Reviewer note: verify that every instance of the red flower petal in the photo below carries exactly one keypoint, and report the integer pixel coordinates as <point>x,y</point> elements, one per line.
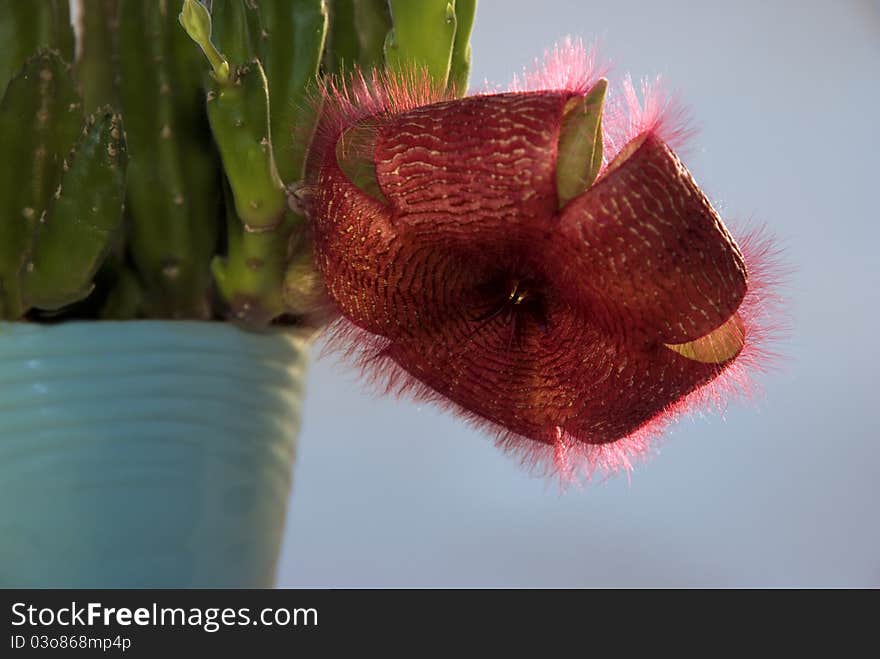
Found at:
<point>472,169</point>
<point>350,231</point>
<point>570,377</point>
<point>647,250</point>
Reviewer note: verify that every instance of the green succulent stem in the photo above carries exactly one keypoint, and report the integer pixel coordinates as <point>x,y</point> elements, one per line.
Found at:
<point>239,118</point>
<point>259,224</point>
<point>97,63</point>
<point>292,42</point>
<point>126,297</point>
<point>40,118</point>
<point>84,216</point>
<point>173,183</point>
<point>460,63</point>
<point>421,37</point>
<point>343,48</point>
<point>210,139</point>
<point>373,22</point>
<point>250,276</point>
<point>26,27</point>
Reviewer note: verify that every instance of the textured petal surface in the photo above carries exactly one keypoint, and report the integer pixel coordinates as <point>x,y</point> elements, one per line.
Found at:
<point>350,231</point>
<point>386,282</point>
<point>472,168</point>
<point>647,252</point>
<point>569,377</point>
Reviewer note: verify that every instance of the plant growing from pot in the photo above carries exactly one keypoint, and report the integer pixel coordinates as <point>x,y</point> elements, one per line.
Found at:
<point>191,193</point>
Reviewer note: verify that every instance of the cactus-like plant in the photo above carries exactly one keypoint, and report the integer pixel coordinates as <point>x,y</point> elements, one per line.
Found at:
<point>61,196</point>
<point>152,180</point>
<point>550,270</point>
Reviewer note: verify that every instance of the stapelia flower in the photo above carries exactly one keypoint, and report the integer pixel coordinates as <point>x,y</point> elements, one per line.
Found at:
<point>468,265</point>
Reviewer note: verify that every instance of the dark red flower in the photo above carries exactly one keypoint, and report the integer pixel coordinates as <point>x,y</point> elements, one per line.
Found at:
<point>573,328</point>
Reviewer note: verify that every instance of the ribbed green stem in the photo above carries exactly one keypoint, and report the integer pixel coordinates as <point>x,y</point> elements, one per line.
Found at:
<point>460,64</point>
<point>421,37</point>
<point>125,299</point>
<point>259,225</point>
<point>291,54</point>
<point>237,29</point>
<point>343,48</point>
<point>97,64</point>
<point>85,214</point>
<point>40,118</point>
<point>27,26</point>
<point>250,276</point>
<point>373,22</point>
<point>252,113</point>
<point>173,181</point>
<point>239,116</point>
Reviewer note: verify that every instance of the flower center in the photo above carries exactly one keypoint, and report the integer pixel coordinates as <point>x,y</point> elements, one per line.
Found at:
<point>518,292</point>
<point>518,300</point>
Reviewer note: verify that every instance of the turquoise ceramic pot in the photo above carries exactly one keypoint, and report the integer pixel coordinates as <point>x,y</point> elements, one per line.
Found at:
<point>145,453</point>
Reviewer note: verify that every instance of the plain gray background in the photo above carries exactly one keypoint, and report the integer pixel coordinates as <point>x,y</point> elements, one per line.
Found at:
<point>781,493</point>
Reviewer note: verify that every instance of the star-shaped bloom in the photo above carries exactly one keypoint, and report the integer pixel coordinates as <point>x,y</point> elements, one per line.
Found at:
<point>501,254</point>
